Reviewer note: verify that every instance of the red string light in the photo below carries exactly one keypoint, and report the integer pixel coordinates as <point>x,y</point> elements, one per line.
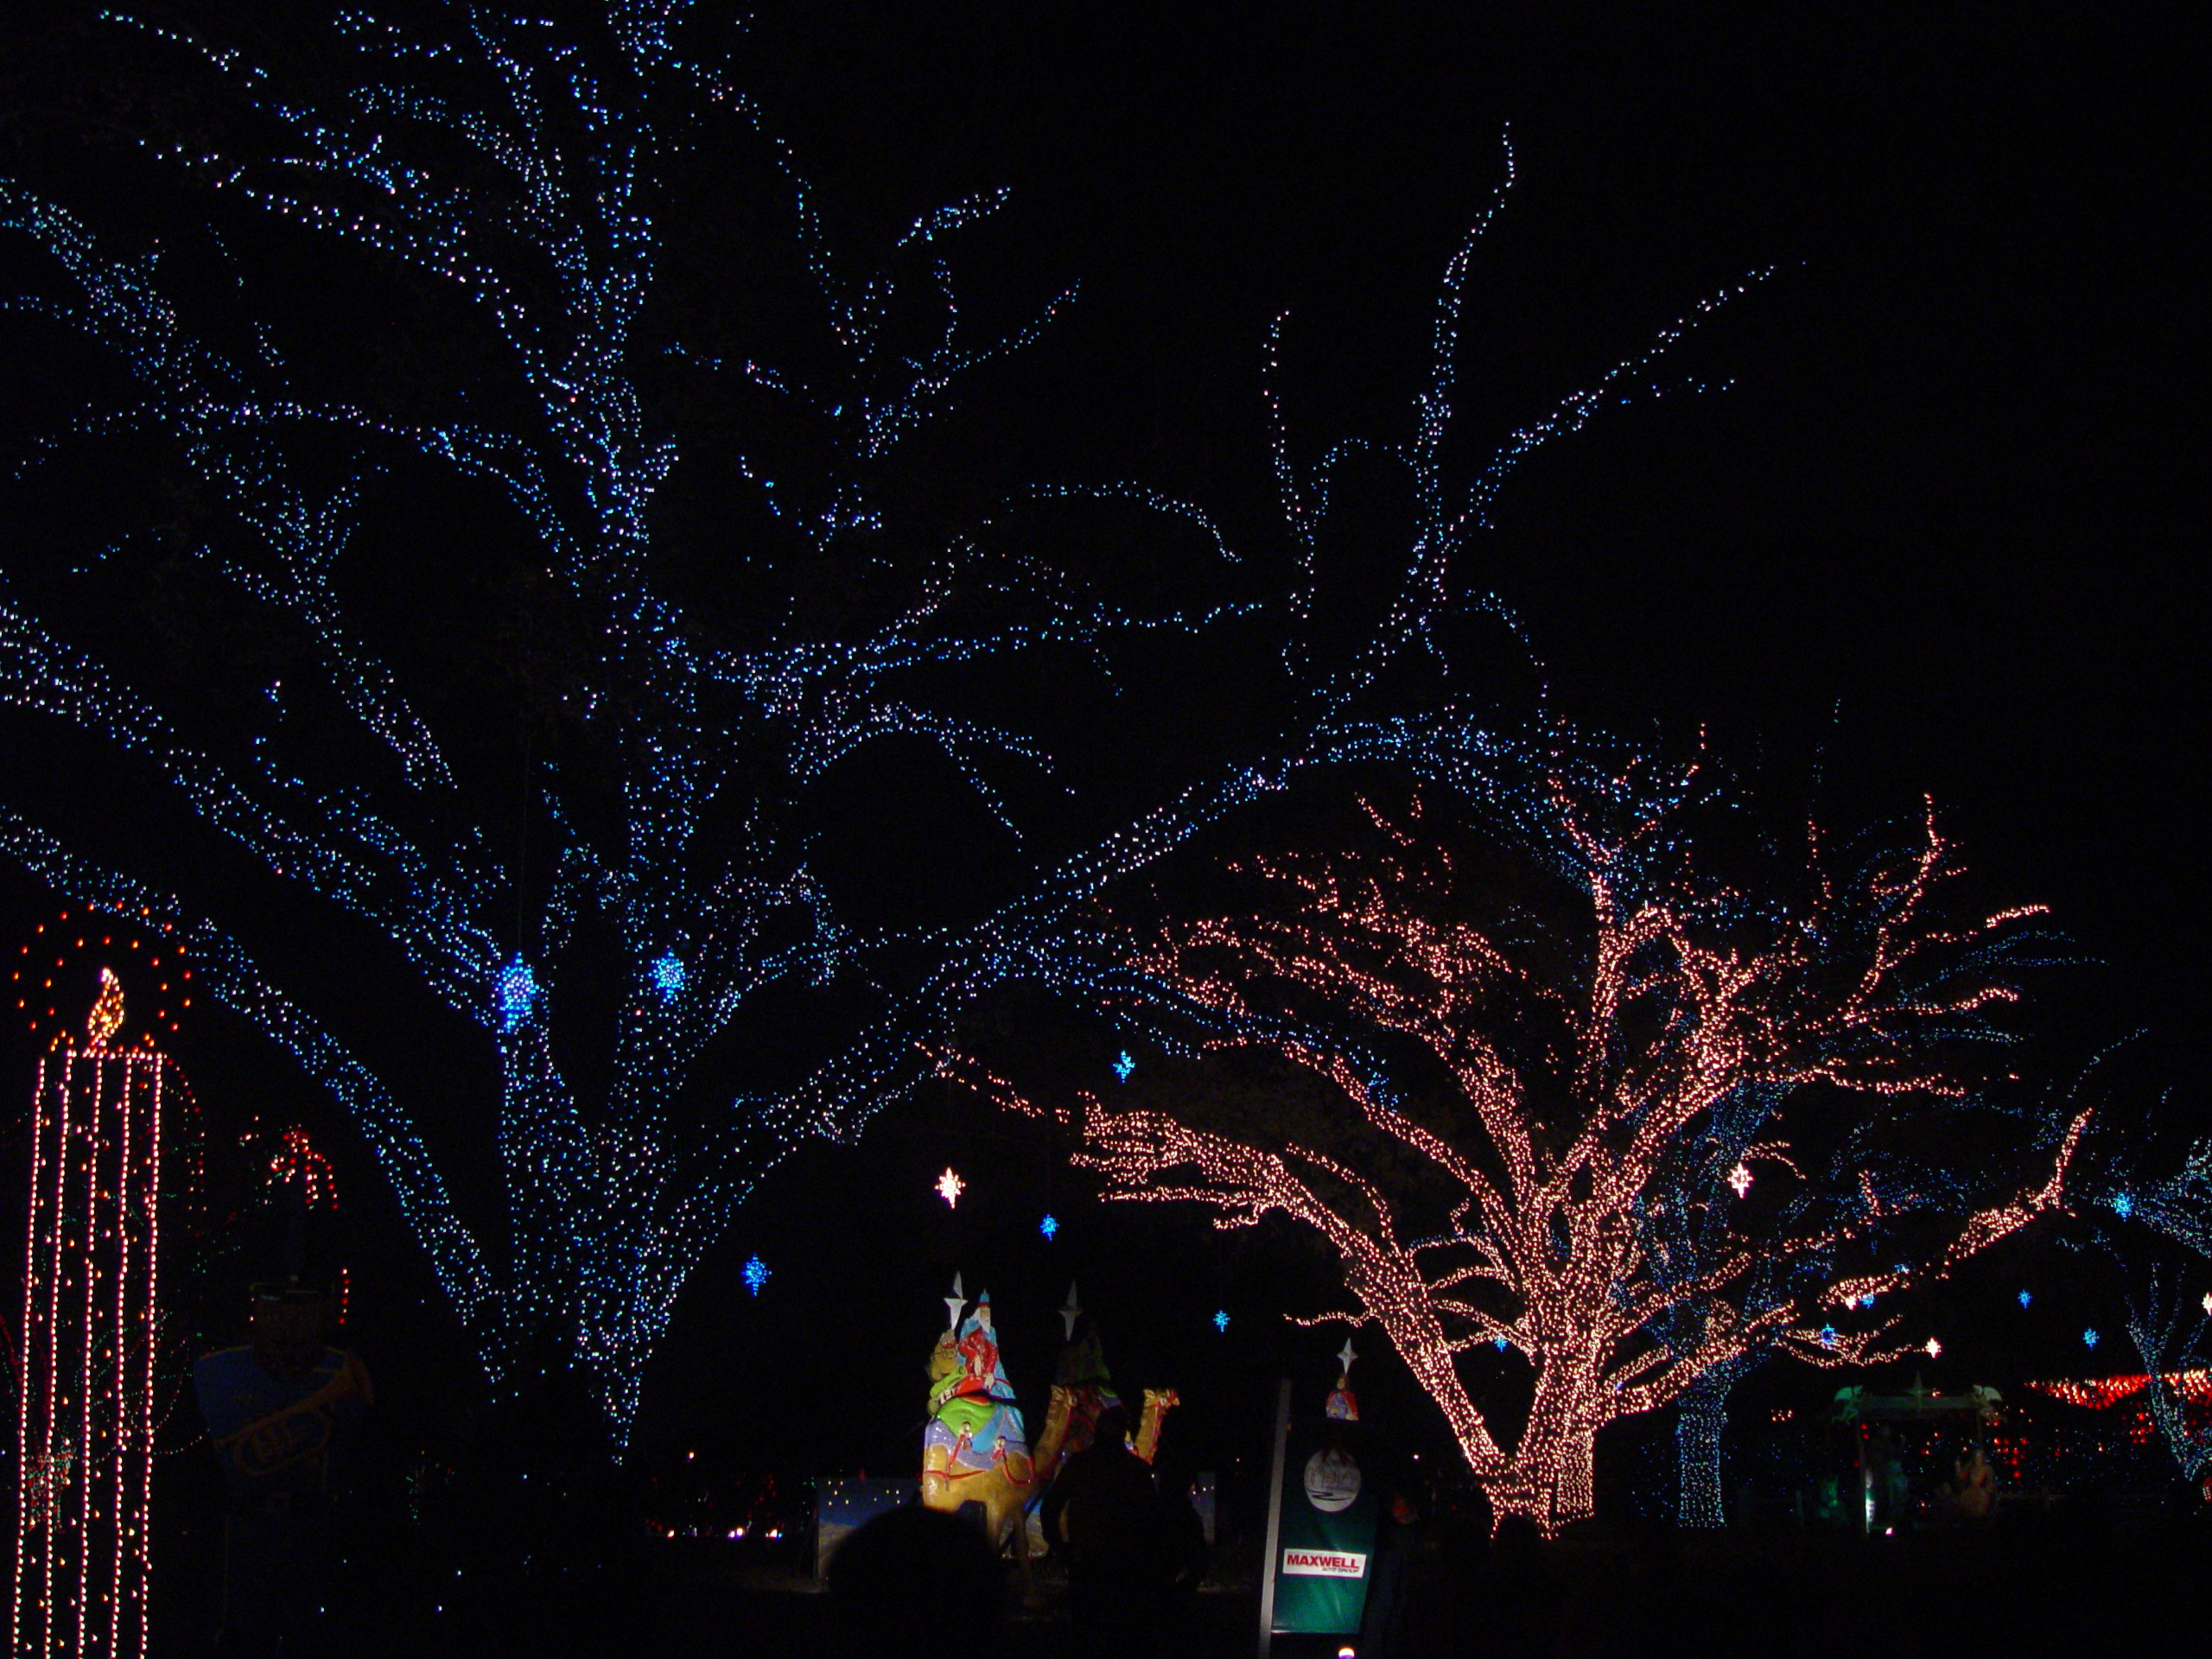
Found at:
<point>1651,1023</point>
<point>85,1428</point>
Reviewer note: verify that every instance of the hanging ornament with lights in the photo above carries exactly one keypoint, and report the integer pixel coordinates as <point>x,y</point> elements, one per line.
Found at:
<point>948,1187</point>
<point>1050,1226</point>
<point>85,1428</point>
<point>756,1274</point>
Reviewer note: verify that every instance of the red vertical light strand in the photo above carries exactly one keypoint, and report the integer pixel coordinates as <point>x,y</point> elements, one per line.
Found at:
<point>90,1329</point>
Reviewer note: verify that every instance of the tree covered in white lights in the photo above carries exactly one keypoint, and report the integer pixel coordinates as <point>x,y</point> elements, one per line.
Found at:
<point>1584,1120</point>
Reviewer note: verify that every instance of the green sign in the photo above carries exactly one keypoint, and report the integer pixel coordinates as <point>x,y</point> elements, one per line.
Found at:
<point>1326,1507</point>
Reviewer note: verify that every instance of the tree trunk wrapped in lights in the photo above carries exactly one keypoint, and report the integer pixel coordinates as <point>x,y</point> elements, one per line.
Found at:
<point>1526,1050</point>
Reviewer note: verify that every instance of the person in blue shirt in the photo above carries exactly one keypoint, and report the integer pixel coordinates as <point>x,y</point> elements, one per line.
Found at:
<point>279,1413</point>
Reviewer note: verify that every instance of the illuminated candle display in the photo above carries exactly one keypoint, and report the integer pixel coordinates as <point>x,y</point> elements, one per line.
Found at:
<point>84,1432</point>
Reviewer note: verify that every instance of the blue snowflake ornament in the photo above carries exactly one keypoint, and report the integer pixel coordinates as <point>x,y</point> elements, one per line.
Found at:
<point>515,991</point>
<point>668,977</point>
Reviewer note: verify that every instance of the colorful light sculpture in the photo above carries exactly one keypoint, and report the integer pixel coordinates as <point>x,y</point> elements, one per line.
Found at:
<point>84,1428</point>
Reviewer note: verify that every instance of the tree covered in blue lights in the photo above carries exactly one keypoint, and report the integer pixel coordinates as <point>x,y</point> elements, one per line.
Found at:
<point>504,181</point>
<point>605,911</point>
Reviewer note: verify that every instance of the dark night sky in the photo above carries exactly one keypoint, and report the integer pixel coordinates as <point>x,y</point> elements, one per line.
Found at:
<point>1935,529</point>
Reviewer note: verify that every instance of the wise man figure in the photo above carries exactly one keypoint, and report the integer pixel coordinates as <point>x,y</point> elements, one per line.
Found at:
<point>978,1347</point>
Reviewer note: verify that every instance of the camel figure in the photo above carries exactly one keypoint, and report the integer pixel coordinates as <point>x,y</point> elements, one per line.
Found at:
<point>1016,1475</point>
<point>1158,1402</point>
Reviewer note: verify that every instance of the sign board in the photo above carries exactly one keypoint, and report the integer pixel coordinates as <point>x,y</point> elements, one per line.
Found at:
<point>1328,1498</point>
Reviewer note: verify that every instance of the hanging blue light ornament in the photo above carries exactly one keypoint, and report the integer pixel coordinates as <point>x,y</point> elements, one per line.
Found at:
<point>2025,1298</point>
<point>1049,1226</point>
<point>1221,1320</point>
<point>756,1274</point>
<point>1124,1063</point>
<point>1827,1336</point>
<point>515,990</point>
<point>1500,1344</point>
<point>668,977</point>
<point>2089,1338</point>
<point>2123,1205</point>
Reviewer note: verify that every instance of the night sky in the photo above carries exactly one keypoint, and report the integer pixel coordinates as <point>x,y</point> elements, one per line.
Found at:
<point>1924,531</point>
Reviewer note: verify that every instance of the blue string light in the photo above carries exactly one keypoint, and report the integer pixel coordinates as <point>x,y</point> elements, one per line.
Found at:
<point>520,171</point>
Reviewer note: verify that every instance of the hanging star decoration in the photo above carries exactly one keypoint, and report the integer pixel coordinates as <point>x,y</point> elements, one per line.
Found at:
<point>2025,1298</point>
<point>2208,1302</point>
<point>107,1010</point>
<point>1740,1179</point>
<point>1049,1226</point>
<point>1500,1344</point>
<point>1933,1348</point>
<point>1124,1063</point>
<point>1070,1311</point>
<point>1343,1405</point>
<point>950,1186</point>
<point>756,1274</point>
<point>2123,1205</point>
<point>2089,1338</point>
<point>1220,1319</point>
